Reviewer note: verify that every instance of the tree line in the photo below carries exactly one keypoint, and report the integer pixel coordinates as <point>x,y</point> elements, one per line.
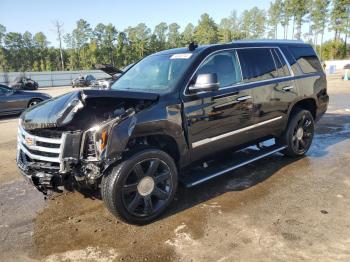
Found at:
<point>86,46</point>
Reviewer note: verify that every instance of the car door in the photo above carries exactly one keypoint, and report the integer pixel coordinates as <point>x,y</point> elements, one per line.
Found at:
<point>3,99</point>
<point>266,72</point>
<point>11,101</point>
<point>215,119</point>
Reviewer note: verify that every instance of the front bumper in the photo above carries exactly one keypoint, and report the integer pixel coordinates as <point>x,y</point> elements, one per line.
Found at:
<point>44,179</point>
<point>47,161</point>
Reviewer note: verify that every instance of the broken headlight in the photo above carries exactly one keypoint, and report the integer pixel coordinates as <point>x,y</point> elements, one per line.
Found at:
<point>95,140</point>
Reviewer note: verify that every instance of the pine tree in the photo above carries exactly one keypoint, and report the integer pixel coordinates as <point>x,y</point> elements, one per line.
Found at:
<point>206,32</point>
<point>274,16</point>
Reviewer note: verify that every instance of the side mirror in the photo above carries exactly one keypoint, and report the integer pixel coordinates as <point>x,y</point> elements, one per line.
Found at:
<point>205,82</point>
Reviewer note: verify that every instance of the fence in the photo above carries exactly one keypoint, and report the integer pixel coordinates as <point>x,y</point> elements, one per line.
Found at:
<point>336,64</point>
<point>54,78</point>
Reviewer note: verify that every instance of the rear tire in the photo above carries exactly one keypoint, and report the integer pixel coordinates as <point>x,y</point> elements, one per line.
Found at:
<point>299,134</point>
<point>34,102</point>
<point>141,187</point>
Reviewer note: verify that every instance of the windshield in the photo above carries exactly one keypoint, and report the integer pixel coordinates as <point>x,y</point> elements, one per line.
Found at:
<point>157,73</point>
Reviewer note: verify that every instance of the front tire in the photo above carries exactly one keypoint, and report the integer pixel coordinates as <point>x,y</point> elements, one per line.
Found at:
<point>141,187</point>
<point>299,134</point>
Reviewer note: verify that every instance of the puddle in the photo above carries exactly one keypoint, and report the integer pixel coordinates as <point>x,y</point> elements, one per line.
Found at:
<point>82,229</point>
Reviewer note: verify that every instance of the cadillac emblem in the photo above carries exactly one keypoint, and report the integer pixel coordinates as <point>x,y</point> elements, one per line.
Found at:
<point>30,141</point>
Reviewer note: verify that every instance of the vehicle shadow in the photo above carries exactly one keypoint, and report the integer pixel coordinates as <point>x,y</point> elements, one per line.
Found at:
<point>238,180</point>
<point>9,118</point>
<point>332,129</point>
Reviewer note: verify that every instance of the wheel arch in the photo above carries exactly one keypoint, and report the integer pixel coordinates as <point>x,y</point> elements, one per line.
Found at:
<point>34,99</point>
<point>307,104</point>
<point>163,142</point>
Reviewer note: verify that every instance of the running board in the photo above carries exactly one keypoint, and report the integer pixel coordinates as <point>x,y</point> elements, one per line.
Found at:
<point>215,168</point>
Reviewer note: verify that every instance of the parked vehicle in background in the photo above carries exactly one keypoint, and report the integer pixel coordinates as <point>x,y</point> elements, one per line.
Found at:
<point>115,73</point>
<point>14,101</point>
<point>168,118</point>
<point>24,83</point>
<point>83,81</point>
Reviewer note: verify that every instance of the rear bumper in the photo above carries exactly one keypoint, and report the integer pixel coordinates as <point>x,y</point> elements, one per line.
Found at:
<point>322,107</point>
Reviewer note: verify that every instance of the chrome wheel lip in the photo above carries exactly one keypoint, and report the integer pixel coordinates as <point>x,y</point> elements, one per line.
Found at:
<point>150,202</point>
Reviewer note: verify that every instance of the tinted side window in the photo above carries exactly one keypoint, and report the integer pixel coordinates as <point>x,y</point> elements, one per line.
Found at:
<point>225,65</point>
<point>306,59</point>
<point>291,60</point>
<point>280,63</point>
<point>257,64</point>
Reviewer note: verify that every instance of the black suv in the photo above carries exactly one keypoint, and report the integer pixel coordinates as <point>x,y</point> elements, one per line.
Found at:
<point>167,119</point>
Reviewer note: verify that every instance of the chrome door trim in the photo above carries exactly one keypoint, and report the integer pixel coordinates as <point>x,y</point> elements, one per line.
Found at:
<point>212,139</point>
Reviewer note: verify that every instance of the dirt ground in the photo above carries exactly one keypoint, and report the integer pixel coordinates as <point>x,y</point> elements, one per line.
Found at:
<point>277,209</point>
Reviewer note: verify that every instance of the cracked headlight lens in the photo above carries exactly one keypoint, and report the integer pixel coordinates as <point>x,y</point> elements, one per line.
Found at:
<point>96,139</point>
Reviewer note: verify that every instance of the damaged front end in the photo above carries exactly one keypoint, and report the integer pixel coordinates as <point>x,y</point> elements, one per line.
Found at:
<point>74,138</point>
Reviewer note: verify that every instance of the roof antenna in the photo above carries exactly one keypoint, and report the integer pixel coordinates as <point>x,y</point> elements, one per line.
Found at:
<point>192,46</point>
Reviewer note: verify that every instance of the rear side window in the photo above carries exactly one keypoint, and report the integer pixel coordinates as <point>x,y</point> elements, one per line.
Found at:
<point>225,66</point>
<point>257,64</point>
<point>306,59</point>
<point>280,63</point>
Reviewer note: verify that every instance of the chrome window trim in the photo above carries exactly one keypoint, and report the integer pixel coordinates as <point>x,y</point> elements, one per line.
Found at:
<point>239,83</point>
<point>215,138</point>
<point>291,73</point>
<point>273,58</point>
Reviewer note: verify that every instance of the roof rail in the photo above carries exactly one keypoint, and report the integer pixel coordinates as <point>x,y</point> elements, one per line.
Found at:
<point>269,40</point>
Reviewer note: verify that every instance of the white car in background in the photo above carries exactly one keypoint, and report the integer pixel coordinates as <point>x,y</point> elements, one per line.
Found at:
<point>115,73</point>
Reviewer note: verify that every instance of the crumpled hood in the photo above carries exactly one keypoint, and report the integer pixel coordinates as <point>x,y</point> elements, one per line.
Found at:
<point>60,111</point>
<point>55,112</point>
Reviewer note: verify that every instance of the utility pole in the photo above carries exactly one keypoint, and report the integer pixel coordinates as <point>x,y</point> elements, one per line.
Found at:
<point>59,32</point>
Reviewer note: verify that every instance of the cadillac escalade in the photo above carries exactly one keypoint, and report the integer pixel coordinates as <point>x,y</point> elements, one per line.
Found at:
<point>166,119</point>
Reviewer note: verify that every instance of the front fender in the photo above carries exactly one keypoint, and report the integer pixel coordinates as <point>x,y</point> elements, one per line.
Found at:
<point>119,137</point>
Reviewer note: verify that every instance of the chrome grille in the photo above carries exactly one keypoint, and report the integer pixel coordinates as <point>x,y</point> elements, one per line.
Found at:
<point>39,148</point>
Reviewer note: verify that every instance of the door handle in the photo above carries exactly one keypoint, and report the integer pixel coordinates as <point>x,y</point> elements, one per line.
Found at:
<point>287,88</point>
<point>243,98</point>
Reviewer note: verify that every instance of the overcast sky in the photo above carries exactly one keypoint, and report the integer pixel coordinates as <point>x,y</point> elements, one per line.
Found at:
<point>37,15</point>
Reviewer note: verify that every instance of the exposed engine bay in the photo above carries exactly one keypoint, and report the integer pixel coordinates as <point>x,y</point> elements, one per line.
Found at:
<point>69,136</point>
<point>81,109</point>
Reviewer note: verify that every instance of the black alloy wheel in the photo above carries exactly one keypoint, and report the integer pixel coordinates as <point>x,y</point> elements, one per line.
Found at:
<point>302,135</point>
<point>147,187</point>
<point>140,187</point>
<point>299,134</point>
